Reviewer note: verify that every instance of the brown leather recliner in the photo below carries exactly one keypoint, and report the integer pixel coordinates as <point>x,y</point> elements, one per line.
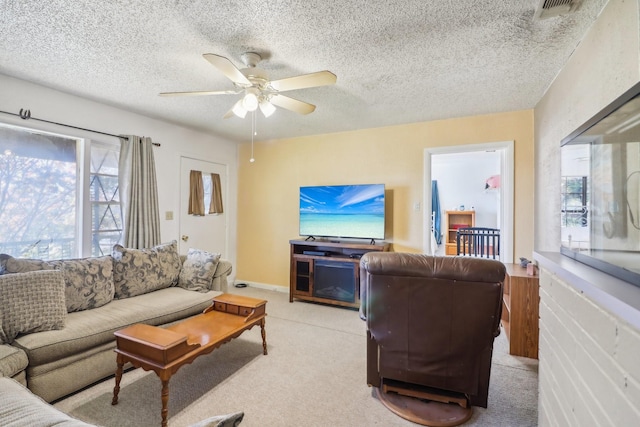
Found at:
<point>431,322</point>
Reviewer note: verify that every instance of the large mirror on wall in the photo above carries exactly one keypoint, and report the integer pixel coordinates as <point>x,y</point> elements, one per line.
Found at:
<point>600,190</point>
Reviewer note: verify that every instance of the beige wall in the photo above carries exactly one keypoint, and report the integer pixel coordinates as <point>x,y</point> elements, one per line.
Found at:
<point>268,189</point>
<point>589,337</point>
<point>176,141</point>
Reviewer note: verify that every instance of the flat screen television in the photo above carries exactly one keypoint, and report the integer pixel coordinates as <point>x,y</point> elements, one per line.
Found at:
<point>343,211</point>
<point>600,190</point>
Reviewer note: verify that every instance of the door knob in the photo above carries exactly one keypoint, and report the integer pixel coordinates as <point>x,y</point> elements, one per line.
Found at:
<point>185,237</point>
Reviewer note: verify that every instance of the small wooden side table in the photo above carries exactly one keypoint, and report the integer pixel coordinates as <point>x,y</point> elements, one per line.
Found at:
<point>165,350</point>
<point>520,311</point>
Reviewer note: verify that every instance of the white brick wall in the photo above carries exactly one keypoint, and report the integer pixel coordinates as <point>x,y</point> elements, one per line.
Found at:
<point>589,372</point>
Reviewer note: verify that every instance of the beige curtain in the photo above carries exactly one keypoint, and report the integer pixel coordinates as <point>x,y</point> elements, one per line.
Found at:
<point>196,194</point>
<point>215,206</point>
<point>138,193</point>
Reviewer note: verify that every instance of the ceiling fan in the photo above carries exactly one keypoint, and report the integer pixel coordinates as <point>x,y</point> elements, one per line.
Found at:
<point>259,91</point>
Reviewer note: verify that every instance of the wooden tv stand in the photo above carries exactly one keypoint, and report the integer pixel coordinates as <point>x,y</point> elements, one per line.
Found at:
<point>328,271</point>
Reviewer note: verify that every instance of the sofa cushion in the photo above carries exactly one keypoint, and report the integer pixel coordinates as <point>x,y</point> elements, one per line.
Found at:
<point>88,329</point>
<point>138,271</point>
<point>12,360</point>
<point>31,302</point>
<point>198,269</point>
<point>89,281</point>
<point>20,407</point>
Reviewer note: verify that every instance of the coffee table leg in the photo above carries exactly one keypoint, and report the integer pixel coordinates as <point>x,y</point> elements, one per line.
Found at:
<point>116,389</point>
<point>165,401</point>
<point>264,337</point>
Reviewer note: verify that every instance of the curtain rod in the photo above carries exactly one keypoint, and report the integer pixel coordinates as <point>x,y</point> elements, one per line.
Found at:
<point>26,115</point>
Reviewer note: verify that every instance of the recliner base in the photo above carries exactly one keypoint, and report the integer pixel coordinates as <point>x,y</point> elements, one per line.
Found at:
<point>428,410</point>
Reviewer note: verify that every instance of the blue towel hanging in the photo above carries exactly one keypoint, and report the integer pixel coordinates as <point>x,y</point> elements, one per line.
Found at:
<point>435,209</point>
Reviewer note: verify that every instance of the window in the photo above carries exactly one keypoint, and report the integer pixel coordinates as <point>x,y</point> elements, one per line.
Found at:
<point>106,215</point>
<point>44,207</point>
<point>574,201</point>
<point>208,191</point>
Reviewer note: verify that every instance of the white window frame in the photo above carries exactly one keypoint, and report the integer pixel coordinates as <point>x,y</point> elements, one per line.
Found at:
<point>83,174</point>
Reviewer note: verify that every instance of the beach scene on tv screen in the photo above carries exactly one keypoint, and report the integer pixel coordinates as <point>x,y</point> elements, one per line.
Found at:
<point>355,211</point>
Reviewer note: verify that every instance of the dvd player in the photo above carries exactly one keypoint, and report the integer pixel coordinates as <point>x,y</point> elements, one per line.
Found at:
<point>316,253</point>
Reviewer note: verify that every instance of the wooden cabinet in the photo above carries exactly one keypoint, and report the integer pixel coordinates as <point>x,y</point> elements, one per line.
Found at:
<point>453,221</point>
<point>328,272</point>
<point>520,311</point>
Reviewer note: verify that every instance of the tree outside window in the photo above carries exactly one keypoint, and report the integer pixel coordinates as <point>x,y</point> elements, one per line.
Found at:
<point>41,197</point>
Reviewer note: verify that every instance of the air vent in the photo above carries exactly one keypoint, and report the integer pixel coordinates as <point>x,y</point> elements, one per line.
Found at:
<point>550,8</point>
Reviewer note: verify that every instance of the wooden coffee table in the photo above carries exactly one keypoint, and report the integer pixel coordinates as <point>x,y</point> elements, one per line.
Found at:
<point>165,350</point>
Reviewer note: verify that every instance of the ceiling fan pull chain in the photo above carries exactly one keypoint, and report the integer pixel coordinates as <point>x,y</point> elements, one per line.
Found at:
<point>253,131</point>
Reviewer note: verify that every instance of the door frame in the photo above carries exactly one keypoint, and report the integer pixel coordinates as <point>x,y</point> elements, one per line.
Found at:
<point>227,255</point>
<point>506,150</point>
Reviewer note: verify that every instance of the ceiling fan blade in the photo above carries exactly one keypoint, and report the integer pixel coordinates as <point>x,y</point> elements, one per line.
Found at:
<point>321,78</point>
<point>292,104</point>
<point>227,68</point>
<point>202,92</point>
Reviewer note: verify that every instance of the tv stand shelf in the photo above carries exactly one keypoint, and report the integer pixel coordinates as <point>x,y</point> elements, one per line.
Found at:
<point>328,271</point>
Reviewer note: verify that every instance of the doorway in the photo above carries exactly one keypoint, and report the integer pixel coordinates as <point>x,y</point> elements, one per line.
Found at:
<point>208,232</point>
<point>504,194</point>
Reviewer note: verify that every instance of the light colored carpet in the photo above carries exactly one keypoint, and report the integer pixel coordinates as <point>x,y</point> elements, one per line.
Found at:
<point>314,375</point>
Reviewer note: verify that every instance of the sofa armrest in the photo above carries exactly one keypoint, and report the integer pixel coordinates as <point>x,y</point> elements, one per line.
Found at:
<point>220,282</point>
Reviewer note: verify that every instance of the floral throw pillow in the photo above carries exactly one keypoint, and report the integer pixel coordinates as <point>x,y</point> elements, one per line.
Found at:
<point>31,302</point>
<point>170,262</point>
<point>89,282</point>
<point>198,269</point>
<point>9,264</point>
<point>230,420</point>
<point>139,271</point>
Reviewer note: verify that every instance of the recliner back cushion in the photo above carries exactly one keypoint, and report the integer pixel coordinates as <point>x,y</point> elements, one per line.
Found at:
<point>432,331</point>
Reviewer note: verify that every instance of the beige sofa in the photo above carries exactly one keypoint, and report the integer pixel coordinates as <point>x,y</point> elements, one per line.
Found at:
<point>19,407</point>
<point>57,318</point>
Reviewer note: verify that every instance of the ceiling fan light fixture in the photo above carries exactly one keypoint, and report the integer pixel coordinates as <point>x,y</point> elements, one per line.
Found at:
<point>267,108</point>
<point>250,100</point>
<point>259,91</point>
<point>239,110</point>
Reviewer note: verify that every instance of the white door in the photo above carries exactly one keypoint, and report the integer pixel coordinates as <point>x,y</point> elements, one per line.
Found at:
<point>207,232</point>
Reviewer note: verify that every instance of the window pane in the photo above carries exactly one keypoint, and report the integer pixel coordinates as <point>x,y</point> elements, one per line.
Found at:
<point>207,183</point>
<point>104,158</point>
<point>574,201</point>
<point>574,185</point>
<point>38,182</point>
<point>106,214</point>
<point>104,188</point>
<point>102,242</point>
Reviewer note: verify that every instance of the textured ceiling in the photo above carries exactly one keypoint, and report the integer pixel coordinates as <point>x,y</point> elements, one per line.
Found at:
<point>397,61</point>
